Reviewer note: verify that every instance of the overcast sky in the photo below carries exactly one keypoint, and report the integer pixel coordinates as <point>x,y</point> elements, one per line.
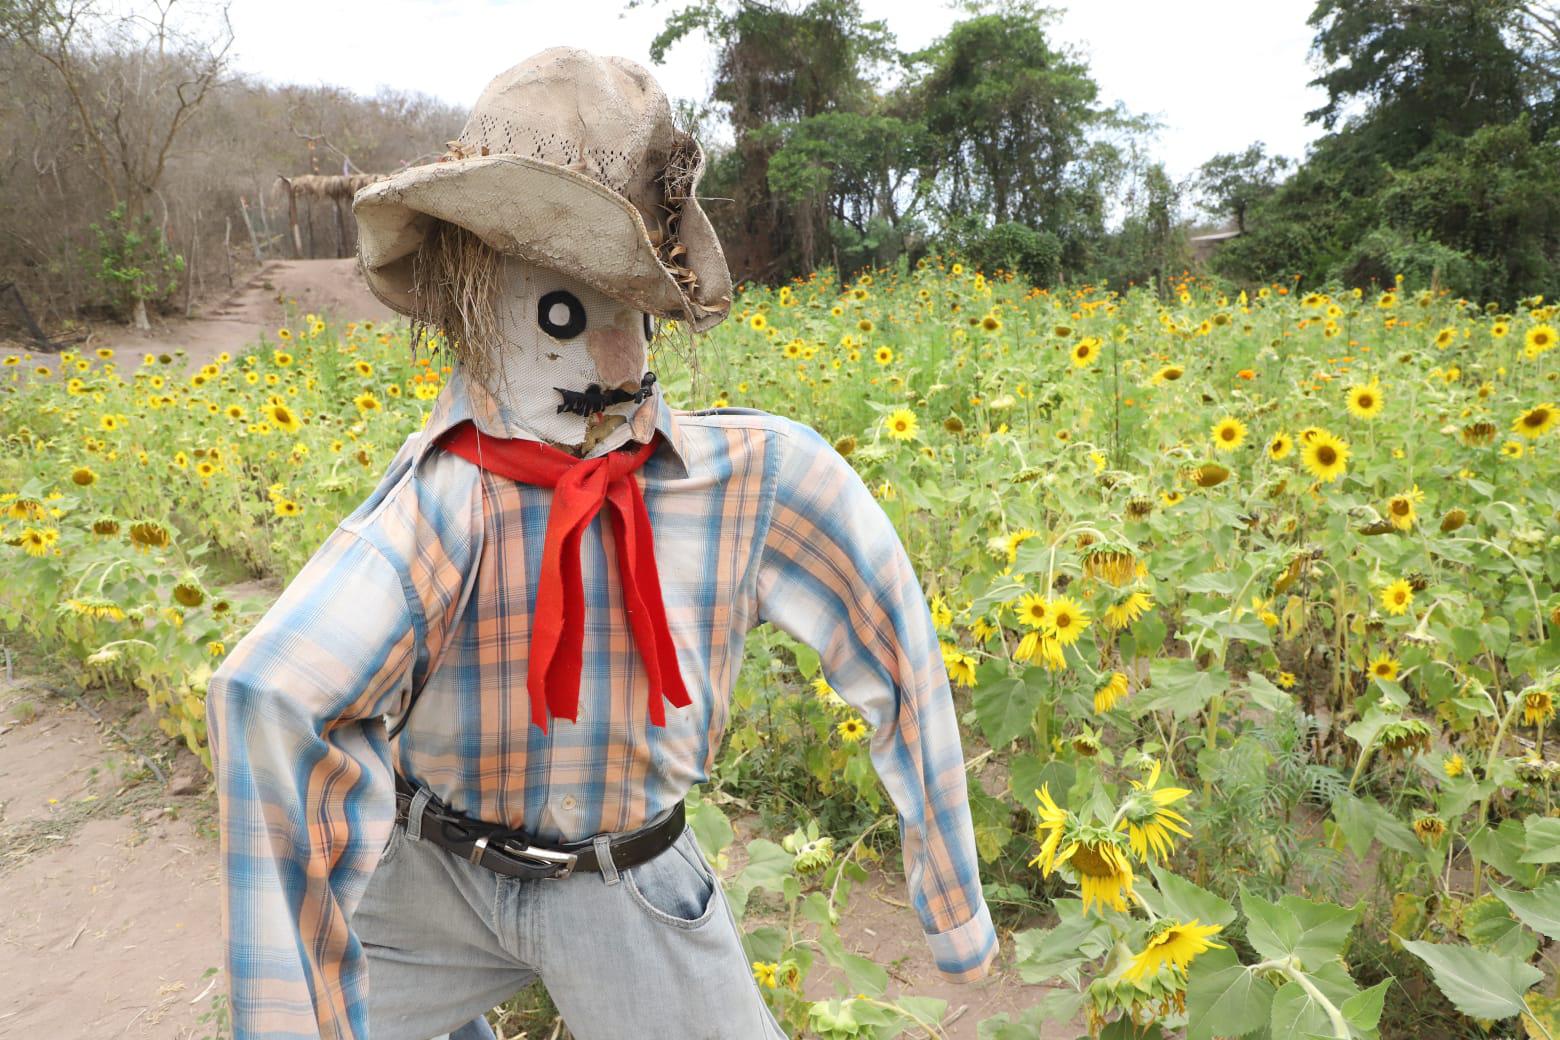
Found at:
<point>1218,74</point>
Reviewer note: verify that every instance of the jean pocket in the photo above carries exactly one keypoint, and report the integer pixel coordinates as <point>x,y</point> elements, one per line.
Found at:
<point>676,887</point>
<point>393,845</point>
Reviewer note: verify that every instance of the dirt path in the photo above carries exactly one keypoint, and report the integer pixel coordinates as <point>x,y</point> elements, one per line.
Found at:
<point>255,308</point>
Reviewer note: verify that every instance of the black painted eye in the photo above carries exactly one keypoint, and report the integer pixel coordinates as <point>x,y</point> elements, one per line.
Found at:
<point>561,314</point>
<point>649,329</point>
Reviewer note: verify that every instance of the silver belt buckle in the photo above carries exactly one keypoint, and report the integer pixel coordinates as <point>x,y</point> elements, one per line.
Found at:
<point>530,852</point>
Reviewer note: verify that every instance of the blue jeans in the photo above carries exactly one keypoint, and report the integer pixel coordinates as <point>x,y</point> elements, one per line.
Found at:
<point>649,951</point>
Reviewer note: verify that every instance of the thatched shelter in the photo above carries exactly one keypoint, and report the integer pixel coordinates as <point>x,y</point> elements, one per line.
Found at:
<point>336,189</point>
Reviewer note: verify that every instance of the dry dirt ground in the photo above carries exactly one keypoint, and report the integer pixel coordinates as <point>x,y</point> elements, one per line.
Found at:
<point>109,912</point>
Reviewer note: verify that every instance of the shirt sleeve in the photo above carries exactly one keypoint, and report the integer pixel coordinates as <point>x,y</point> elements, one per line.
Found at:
<point>305,788</point>
<point>833,574</point>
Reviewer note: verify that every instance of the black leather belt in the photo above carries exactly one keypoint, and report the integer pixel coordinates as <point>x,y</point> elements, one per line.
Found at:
<point>512,853</point>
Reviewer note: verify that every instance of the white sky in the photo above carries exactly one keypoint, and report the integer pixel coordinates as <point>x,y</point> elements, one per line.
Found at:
<point>1218,74</point>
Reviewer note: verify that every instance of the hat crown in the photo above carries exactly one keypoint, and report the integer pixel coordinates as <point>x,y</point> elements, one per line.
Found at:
<point>603,117</point>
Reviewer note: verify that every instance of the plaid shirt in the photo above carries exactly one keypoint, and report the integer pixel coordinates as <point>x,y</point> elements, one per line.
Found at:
<point>429,584</point>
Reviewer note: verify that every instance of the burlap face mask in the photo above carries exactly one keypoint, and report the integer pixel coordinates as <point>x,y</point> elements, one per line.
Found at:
<point>569,365</point>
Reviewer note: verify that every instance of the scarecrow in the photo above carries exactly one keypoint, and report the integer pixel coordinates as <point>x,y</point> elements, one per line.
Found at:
<point>452,756</point>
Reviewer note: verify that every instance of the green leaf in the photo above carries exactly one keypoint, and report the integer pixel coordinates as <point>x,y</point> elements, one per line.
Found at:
<point>1324,929</point>
<point>711,827</point>
<point>1479,984</point>
<point>1266,695</point>
<point>1543,840</point>
<point>1296,1014</point>
<point>1043,954</point>
<point>1004,709</point>
<point>1184,901</point>
<point>1363,1010</point>
<point>1223,998</point>
<point>1538,909</point>
<point>1502,848</point>
<point>768,866</point>
<point>1177,685</point>
<point>1272,930</point>
<point>1488,924</point>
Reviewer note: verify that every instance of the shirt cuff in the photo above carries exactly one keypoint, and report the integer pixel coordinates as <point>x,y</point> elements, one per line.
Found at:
<point>966,953</point>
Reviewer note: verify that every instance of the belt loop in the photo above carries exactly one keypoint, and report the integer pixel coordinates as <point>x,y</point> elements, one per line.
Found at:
<point>603,846</point>
<point>414,815</point>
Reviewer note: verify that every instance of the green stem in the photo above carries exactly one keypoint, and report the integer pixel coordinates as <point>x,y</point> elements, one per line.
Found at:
<point>1289,968</point>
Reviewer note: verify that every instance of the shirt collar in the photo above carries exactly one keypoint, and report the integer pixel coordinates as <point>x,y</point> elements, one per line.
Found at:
<point>463,398</point>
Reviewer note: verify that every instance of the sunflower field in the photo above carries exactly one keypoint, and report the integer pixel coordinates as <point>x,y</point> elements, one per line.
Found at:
<point>1250,603</point>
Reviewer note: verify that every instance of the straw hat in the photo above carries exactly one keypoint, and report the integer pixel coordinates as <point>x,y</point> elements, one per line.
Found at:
<point>571,162</point>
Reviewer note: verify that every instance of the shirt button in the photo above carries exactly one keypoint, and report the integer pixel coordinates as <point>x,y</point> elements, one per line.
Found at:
<point>568,801</point>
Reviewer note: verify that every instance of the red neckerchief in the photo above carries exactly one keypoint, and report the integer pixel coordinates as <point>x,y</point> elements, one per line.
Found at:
<point>580,488</point>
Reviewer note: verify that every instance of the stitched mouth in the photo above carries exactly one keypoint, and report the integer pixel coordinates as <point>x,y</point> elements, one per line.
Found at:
<point>595,398</point>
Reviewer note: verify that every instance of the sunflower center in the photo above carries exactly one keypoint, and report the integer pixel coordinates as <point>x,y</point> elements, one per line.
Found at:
<point>1326,455</point>
<point>1400,507</point>
<point>1366,400</point>
<point>1091,860</point>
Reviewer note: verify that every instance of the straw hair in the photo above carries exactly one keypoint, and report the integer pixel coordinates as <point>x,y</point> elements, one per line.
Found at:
<point>456,278</point>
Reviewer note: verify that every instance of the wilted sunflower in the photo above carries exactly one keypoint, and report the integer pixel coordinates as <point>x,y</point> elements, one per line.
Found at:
<point>148,534</point>
<point>1429,828</point>
<point>1454,519</point>
<point>83,476</point>
<point>1481,432</point>
<point>1112,563</point>
<point>105,525</point>
<point>1209,474</point>
<point>1536,421</point>
<point>1365,401</point>
<point>1148,819</point>
<point>1400,508</point>
<point>1325,456</point>
<point>1228,433</point>
<point>189,593</point>
<point>1140,508</point>
<point>1172,942</point>
<point>1538,706</point>
<point>1405,736</point>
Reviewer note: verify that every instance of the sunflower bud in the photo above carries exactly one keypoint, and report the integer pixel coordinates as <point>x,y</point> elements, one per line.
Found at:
<point>1209,474</point>
<point>1453,520</point>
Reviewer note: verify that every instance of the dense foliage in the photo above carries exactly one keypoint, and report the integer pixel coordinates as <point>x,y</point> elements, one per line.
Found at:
<point>1251,606</point>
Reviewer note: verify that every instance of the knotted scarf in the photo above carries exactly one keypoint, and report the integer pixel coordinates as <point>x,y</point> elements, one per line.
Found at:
<point>580,488</point>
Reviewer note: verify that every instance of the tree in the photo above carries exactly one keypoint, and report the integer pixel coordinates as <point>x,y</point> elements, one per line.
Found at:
<point>1231,183</point>
<point>1010,116</point>
<point>134,83</point>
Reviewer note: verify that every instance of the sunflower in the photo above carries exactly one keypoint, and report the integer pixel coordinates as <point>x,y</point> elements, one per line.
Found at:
<point>764,973</point>
<point>1032,610</point>
<point>1539,339</point>
<point>1365,401</point>
<point>287,507</point>
<point>1119,615</point>
<point>1110,694</point>
<point>1445,337</point>
<point>1454,766</point>
<point>851,730</point>
<point>1384,667</point>
<point>282,416</point>
<point>793,349</point>
<point>901,424</point>
<point>1084,353</point>
<point>1037,647</point>
<point>1538,706</point>
<point>1326,456</point>
<point>960,665</point>
<point>1054,822</point>
<point>1171,498</point>
<point>1536,421</point>
<point>758,323</point>
<point>1012,540</point>
<point>1065,620</point>
<point>1102,867</point>
<point>34,543</point>
<point>1400,508</point>
<point>1169,374</point>
<point>882,355</point>
<point>1397,597</point>
<point>1228,433</point>
<point>1280,446</point>
<point>1172,942</point>
<point>367,403</point>
<point>1148,819</point>
<point>1512,449</point>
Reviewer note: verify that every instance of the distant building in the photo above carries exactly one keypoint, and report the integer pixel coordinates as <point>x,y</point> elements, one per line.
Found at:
<point>1204,246</point>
